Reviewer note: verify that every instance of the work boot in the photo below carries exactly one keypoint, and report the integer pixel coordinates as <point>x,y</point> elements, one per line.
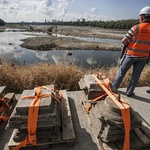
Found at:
<point>113,89</point>
<point>129,95</point>
<point>148,91</point>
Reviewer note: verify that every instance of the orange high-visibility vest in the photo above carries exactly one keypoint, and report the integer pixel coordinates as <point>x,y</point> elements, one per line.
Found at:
<point>140,42</point>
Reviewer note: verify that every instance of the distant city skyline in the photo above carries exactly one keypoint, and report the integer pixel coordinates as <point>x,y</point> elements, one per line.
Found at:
<point>69,10</point>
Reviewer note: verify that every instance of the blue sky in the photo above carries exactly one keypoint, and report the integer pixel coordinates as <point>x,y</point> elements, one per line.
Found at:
<point>70,10</point>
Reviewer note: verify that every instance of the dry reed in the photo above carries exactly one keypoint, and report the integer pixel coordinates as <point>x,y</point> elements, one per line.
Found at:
<point>19,78</point>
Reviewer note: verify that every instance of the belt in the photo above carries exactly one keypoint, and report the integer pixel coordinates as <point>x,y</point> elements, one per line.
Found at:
<point>137,56</point>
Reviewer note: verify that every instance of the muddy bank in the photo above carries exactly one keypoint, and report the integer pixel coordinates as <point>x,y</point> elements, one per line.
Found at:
<point>61,43</point>
<point>93,32</point>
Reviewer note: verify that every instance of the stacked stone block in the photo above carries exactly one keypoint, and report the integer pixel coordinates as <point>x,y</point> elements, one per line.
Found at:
<point>112,128</point>
<point>48,124</point>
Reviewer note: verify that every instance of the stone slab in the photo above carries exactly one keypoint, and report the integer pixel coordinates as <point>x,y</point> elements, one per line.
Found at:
<point>46,103</point>
<point>91,83</point>
<point>2,91</point>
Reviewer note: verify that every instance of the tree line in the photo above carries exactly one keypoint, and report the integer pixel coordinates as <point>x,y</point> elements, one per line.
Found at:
<point>2,23</point>
<point>119,24</point>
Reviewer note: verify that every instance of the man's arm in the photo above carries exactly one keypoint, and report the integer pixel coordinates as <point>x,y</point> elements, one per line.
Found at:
<point>128,36</point>
<point>125,41</point>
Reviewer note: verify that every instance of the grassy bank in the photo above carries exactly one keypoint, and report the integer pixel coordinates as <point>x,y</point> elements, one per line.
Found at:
<point>18,78</point>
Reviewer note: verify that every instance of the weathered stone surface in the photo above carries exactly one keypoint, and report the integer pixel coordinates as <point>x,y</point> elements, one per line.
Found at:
<point>110,105</point>
<point>42,122</point>
<point>46,104</point>
<point>82,84</point>
<point>91,87</point>
<point>2,91</point>
<point>112,114</point>
<point>41,135</point>
<point>41,115</point>
<point>91,83</point>
<point>9,97</point>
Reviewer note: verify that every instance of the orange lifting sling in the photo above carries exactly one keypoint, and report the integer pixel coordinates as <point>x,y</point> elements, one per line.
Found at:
<point>4,107</point>
<point>94,100</point>
<point>33,116</point>
<point>104,83</point>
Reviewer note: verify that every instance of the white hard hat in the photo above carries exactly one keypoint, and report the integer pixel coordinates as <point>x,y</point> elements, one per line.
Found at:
<point>145,11</point>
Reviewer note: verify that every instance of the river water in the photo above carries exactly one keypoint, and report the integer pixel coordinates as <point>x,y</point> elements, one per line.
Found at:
<point>11,51</point>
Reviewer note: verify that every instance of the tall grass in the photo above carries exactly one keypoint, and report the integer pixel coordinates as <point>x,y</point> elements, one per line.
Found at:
<point>19,78</point>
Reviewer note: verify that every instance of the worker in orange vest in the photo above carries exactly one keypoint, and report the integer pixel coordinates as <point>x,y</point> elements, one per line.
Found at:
<point>137,52</point>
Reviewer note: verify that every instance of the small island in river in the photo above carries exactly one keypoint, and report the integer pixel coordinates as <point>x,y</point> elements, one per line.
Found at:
<point>66,42</point>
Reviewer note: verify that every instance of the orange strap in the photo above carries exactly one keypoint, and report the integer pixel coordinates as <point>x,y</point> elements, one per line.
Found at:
<point>33,117</point>
<point>93,100</point>
<point>107,84</point>
<point>125,111</point>
<point>4,107</point>
<point>105,80</point>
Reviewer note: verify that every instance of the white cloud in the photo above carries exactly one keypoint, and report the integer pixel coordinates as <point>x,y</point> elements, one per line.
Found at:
<point>3,2</point>
<point>29,10</point>
<point>93,9</point>
<point>44,7</point>
<point>47,2</point>
<point>88,16</point>
<point>14,6</point>
<point>39,10</point>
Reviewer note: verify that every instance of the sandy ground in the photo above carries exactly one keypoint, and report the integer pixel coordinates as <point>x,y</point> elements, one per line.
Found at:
<point>60,43</point>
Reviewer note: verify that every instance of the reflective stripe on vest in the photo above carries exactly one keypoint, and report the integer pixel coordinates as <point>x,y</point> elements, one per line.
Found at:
<point>140,43</point>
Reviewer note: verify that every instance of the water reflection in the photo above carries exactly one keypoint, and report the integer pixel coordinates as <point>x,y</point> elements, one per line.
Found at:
<point>11,51</point>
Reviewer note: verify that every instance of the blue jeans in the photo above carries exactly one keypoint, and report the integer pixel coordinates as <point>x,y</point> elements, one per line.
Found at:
<point>138,65</point>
